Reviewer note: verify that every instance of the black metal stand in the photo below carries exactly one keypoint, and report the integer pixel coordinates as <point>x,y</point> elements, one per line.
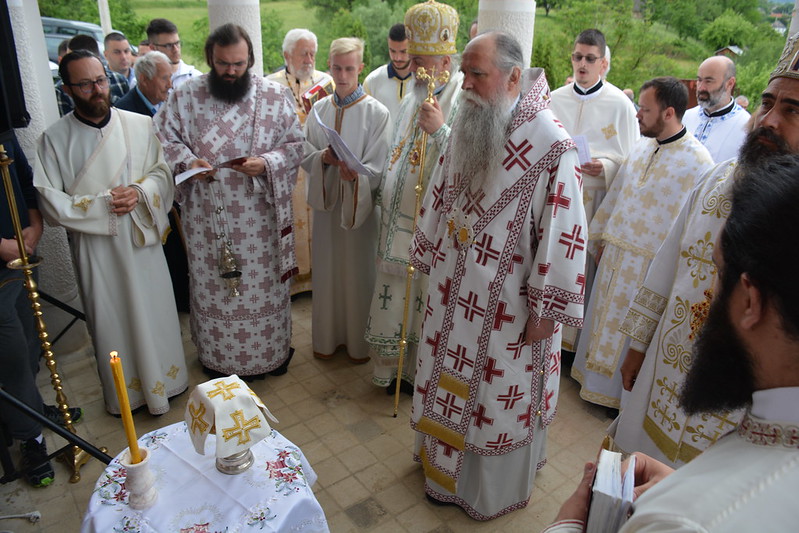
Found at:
<point>10,473</point>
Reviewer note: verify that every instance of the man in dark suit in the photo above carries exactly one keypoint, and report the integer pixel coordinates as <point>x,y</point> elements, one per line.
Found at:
<point>153,82</point>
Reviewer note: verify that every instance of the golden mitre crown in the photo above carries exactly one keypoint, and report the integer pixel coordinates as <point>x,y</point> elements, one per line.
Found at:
<point>431,28</point>
<point>788,65</point>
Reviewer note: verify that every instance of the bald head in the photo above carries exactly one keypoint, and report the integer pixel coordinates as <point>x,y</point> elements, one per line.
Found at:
<point>715,82</point>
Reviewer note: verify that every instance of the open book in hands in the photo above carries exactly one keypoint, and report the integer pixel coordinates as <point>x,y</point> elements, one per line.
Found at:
<point>611,493</point>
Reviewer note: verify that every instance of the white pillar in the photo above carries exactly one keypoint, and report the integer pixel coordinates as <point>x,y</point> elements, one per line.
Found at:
<point>245,13</point>
<point>794,20</point>
<point>56,276</point>
<point>516,17</point>
<point>105,16</point>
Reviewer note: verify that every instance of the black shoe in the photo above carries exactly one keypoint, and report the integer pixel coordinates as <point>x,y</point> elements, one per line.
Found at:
<point>439,503</point>
<point>282,369</point>
<point>214,374</point>
<point>37,470</point>
<point>405,387</point>
<point>53,414</point>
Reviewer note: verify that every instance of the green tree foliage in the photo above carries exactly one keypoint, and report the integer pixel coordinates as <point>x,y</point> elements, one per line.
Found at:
<point>728,29</point>
<point>272,41</point>
<point>123,17</point>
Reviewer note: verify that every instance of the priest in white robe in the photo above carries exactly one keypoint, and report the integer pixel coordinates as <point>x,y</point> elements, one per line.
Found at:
<point>718,121</point>
<point>629,227</point>
<point>745,358</point>
<point>345,220</point>
<point>397,193</point>
<point>237,215</point>
<point>300,75</point>
<point>100,173</point>
<point>672,303</point>
<point>603,115</point>
<point>502,238</point>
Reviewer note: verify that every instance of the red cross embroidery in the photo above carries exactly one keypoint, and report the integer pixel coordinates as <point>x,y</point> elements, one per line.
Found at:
<point>543,269</point>
<point>578,173</point>
<point>438,197</point>
<point>447,448</point>
<point>511,397</point>
<point>581,282</point>
<point>516,155</point>
<point>444,290</point>
<point>423,391</point>
<point>438,254</point>
<point>491,370</point>
<point>527,417</point>
<point>516,258</point>
<point>502,441</point>
<point>572,241</point>
<point>554,362</point>
<point>500,317</point>
<point>558,199</point>
<point>480,418</point>
<point>460,359</point>
<point>429,309</point>
<point>434,341</point>
<point>472,203</point>
<point>517,347</point>
<point>448,405</point>
<point>470,307</point>
<point>549,399</point>
<point>554,301</point>
<point>485,251</point>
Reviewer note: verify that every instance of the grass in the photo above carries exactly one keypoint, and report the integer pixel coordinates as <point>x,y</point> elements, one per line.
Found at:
<point>184,12</point>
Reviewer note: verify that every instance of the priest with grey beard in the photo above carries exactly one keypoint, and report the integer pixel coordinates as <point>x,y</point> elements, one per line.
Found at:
<point>397,198</point>
<point>502,237</point>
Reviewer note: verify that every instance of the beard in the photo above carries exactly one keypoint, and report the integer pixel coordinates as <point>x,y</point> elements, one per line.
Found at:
<point>94,106</point>
<point>753,151</point>
<point>655,130</point>
<point>400,66</point>
<point>479,134</point>
<point>229,89</point>
<point>709,100</point>
<point>721,377</point>
<point>304,73</point>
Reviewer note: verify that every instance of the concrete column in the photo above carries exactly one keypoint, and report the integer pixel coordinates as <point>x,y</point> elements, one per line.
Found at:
<point>516,17</point>
<point>105,16</point>
<point>56,276</point>
<point>245,13</point>
<point>794,20</point>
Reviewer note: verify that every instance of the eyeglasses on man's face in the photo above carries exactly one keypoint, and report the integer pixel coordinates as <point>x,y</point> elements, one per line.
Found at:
<point>590,58</point>
<point>86,86</point>
<point>168,46</point>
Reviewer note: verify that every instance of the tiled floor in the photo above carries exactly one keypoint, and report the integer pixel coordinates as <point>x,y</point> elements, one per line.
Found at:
<point>344,425</point>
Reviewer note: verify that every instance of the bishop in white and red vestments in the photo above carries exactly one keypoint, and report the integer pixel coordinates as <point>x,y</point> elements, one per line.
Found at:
<point>512,251</point>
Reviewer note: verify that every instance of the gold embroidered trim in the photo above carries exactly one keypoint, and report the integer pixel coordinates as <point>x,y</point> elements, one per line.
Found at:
<point>638,326</point>
<point>444,434</point>
<point>84,204</point>
<point>241,427</point>
<point>455,386</point>
<point>651,300</point>
<point>434,474</point>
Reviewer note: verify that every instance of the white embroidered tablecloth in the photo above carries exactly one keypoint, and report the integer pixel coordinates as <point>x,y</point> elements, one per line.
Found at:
<point>274,494</point>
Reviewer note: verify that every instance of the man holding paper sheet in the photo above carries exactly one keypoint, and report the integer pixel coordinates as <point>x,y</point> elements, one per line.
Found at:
<point>238,225</point>
<point>629,227</point>
<point>600,116</point>
<point>746,356</point>
<point>344,219</point>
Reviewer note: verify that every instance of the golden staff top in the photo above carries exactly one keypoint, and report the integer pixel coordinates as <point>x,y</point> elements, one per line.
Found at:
<point>5,162</point>
<point>417,158</point>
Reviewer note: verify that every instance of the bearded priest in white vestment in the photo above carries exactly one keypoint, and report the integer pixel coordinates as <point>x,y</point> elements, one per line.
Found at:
<point>345,220</point>
<point>502,238</point>
<point>397,193</point>
<point>629,227</point>
<point>100,173</point>
<point>243,214</point>
<point>597,110</point>
<point>299,75</point>
<point>673,302</point>
<point>744,359</point>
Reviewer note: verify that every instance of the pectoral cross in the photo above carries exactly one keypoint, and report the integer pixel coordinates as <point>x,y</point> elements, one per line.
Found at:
<point>431,79</point>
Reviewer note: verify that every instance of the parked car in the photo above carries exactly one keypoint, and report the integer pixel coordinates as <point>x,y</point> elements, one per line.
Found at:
<point>72,27</point>
<point>53,40</point>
